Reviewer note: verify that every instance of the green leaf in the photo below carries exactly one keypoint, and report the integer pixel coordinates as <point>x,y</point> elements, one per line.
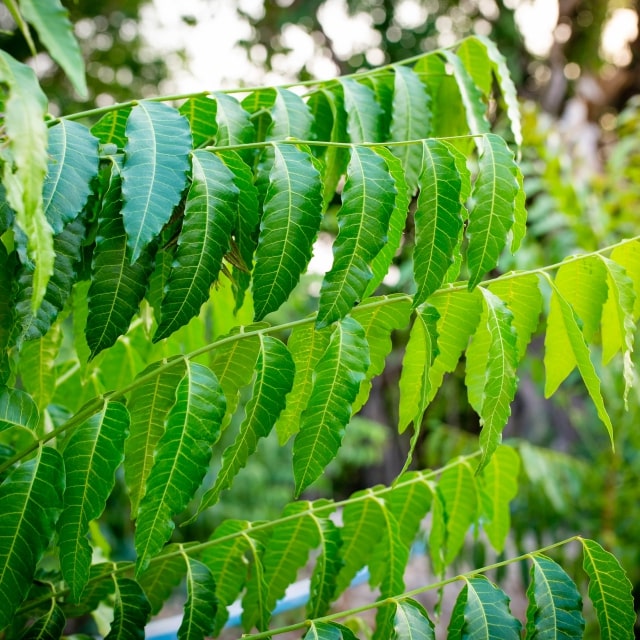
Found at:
<point>628,256</point>
<point>209,216</point>
<point>290,116</point>
<point>411,621</point>
<point>491,380</point>
<point>49,626</point>
<point>162,576</point>
<point>234,123</point>
<point>564,341</point>
<point>438,534</point>
<point>290,221</point>
<point>130,611</point>
<point>519,229</point>
<point>610,592</point>
<point>338,376</point>
<point>51,20</point>
<point>17,408</point>
<point>368,199</point>
<point>117,286</point>
<point>306,345</point>
<point>410,120</point>
<point>200,112</point>
<point>499,486</point>
<point>363,112</point>
<point>421,351</point>
<point>25,166</point>
<point>154,172</point>
<point>409,500</point>
<point>181,461</point>
<point>492,216</point>
<point>474,57</point>
<point>201,605</point>
<point>111,128</point>
<point>383,91</point>
<point>328,631</point>
<point>437,219</point>
<point>327,567</point>
<point>555,605</point>
<point>30,501</point>
<point>457,487</point>
<point>148,405</point>
<point>91,457</point>
<point>274,379</point>
<point>482,612</point>
<point>99,588</point>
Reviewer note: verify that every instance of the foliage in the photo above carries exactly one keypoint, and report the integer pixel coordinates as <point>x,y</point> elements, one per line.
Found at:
<point>167,238</point>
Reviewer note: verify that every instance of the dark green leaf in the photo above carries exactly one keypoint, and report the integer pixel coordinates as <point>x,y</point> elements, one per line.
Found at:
<point>17,408</point>
<point>130,611</point>
<point>200,609</point>
<point>111,128</point>
<point>327,567</point>
<point>290,117</point>
<point>50,626</point>
<point>234,123</point>
<point>363,112</point>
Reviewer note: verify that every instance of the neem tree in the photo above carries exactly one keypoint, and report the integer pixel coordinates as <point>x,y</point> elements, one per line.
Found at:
<point>115,223</point>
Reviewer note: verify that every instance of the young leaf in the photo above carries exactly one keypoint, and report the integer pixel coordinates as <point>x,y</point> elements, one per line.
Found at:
<point>25,166</point>
<point>492,215</point>
<point>410,120</point>
<point>274,379</point>
<point>200,112</point>
<point>564,341</point>
<point>327,567</point>
<point>154,172</point>
<point>50,19</point>
<point>411,621</point>
<point>363,112</point>
<point>30,501</point>
<point>492,360</point>
<point>181,461</point>
<point>209,216</point>
<point>368,199</point>
<point>437,219</point>
<point>91,457</point>
<point>148,405</point>
<point>200,608</point>
<point>555,605</point>
<point>117,286</point>
<point>130,611</point>
<point>49,626</point>
<point>499,487</point>
<point>610,592</point>
<point>338,376</point>
<point>290,220</point>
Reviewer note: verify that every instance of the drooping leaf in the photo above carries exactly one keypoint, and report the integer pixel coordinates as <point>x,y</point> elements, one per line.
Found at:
<point>111,128</point>
<point>519,229</point>
<point>94,452</point>
<point>234,124</point>
<point>437,219</point>
<point>475,60</point>
<point>337,380</point>
<point>49,626</point>
<point>382,85</point>
<point>154,172</point>
<point>148,406</point>
<point>200,608</point>
<point>117,286</point>
<point>368,199</point>
<point>7,309</point>
<point>290,221</point>
<point>610,592</point>
<point>274,379</point>
<point>25,165</point>
<point>290,116</point>
<point>555,605</point>
<point>363,112</point>
<point>30,501</point>
<point>51,20</point>
<point>162,576</point>
<point>130,611</point>
<point>438,533</point>
<point>200,112</point>
<point>628,256</point>
<point>409,501</point>
<point>411,621</point>
<point>492,215</point>
<point>492,360</point>
<point>326,569</point>
<point>209,216</point>
<point>182,456</point>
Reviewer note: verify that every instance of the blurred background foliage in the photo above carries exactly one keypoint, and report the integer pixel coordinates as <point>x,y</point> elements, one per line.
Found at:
<point>581,161</point>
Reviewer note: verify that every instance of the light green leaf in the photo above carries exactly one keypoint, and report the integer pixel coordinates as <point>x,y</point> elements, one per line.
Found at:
<point>610,592</point>
<point>155,171</point>
<point>162,576</point>
<point>200,608</point>
<point>326,569</point>
<point>200,112</point>
<point>181,461</point>
<point>111,128</point>
<point>555,605</point>
<point>519,229</point>
<point>290,116</point>
<point>482,612</point>
<point>30,501</point>
<point>368,199</point>
<point>564,341</point>
<point>363,112</point>
<point>411,621</point>
<point>148,406</point>
<point>209,216</point>
<point>499,486</point>
<point>492,361</point>
<point>290,221</point>
<point>338,376</point>
<point>493,212</point>
<point>49,626</point>
<point>7,309</point>
<point>409,500</point>
<point>628,255</point>
<point>421,351</point>
<point>474,57</point>
<point>130,611</point>
<point>306,345</point>
<point>51,20</point>
<point>438,534</point>
<point>437,219</point>
<point>91,457</point>
<point>274,378</point>
<point>17,408</point>
<point>25,166</point>
<point>410,120</point>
